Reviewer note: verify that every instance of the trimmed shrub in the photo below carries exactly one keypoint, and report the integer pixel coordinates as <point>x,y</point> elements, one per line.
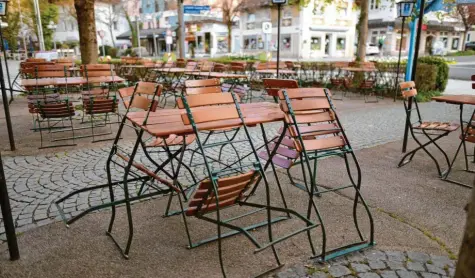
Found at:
<point>442,70</point>
<point>426,77</point>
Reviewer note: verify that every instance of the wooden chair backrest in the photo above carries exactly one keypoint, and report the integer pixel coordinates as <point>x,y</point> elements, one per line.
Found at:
<point>62,109</point>
<point>51,74</point>
<point>304,99</point>
<point>54,67</point>
<point>191,66</point>
<point>272,85</point>
<point>97,70</point>
<point>230,190</point>
<point>203,86</point>
<point>100,105</point>
<point>35,60</point>
<point>408,89</point>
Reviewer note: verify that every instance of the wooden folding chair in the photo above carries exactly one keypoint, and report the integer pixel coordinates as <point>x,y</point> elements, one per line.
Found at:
<point>100,112</point>
<point>94,88</point>
<point>56,112</point>
<point>316,132</point>
<point>227,187</point>
<point>433,131</point>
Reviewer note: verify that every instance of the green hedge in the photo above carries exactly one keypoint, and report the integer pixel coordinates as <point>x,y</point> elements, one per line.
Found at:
<point>426,77</point>
<point>442,70</point>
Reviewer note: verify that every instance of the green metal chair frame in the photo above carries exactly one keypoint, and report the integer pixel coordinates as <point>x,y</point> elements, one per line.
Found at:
<point>317,133</point>
<point>210,192</point>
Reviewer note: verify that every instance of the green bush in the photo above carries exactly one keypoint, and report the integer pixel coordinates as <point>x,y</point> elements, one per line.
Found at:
<point>424,96</point>
<point>442,70</point>
<point>112,52</point>
<point>106,48</point>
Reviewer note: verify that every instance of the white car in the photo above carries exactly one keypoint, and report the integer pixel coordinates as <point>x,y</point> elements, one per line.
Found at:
<point>372,49</point>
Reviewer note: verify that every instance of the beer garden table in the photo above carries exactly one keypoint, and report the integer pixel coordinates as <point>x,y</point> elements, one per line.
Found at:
<point>461,101</point>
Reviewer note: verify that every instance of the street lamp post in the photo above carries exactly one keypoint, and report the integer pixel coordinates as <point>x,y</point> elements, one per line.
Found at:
<point>4,200</point>
<point>279,10</point>
<point>404,10</point>
<point>52,26</point>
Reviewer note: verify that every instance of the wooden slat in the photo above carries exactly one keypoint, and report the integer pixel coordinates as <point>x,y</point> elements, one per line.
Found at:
<point>311,118</point>
<point>306,104</point>
<point>205,100</point>
<point>148,88</point>
<point>140,102</point>
<point>407,85</point>
<point>322,144</point>
<point>203,90</point>
<point>302,93</point>
<point>216,114</point>
<point>409,93</point>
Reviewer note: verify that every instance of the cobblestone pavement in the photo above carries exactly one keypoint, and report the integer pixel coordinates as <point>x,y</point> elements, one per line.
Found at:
<point>34,182</point>
<point>376,264</point>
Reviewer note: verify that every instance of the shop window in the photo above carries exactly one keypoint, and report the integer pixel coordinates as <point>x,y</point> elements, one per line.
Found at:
<point>316,43</point>
<point>286,43</point>
<point>455,43</point>
<point>340,43</point>
<point>251,17</point>
<point>287,17</point>
<point>445,41</point>
<point>250,42</point>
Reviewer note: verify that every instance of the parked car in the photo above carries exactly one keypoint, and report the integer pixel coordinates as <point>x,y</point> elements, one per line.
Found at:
<point>372,49</point>
<point>470,46</point>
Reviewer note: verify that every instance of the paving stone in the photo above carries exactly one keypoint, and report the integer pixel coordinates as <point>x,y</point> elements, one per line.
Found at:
<point>357,258</point>
<point>339,271</point>
<point>396,265</point>
<point>389,274</point>
<point>441,261</point>
<point>374,255</point>
<point>406,274</point>
<point>396,256</point>
<point>319,274</point>
<point>435,269</point>
<point>369,275</point>
<point>415,266</point>
<point>429,275</point>
<point>360,267</point>
<point>418,257</point>
<point>451,272</point>
<point>376,265</point>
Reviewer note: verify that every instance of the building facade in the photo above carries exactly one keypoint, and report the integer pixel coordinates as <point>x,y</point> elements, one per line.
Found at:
<point>313,31</point>
<point>385,27</point>
<point>109,19</point>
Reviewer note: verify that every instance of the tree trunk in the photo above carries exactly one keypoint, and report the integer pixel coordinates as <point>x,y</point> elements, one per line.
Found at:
<point>111,28</point>
<point>466,262</point>
<point>133,30</point>
<point>362,29</point>
<point>87,30</point>
<point>230,28</point>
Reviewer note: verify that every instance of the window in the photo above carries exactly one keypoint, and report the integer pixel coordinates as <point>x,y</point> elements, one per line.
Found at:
<point>286,43</point>
<point>250,42</point>
<point>371,6</point>
<point>340,43</point>
<point>115,25</point>
<point>468,37</point>
<point>287,17</point>
<point>398,42</point>
<point>157,6</point>
<point>251,17</point>
<point>455,43</point>
<point>316,43</point>
<point>445,41</point>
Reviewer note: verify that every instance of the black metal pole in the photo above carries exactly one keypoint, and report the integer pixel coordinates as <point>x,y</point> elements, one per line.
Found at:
<point>6,65</point>
<point>399,59</point>
<point>6,106</point>
<point>279,6</point>
<point>414,68</point>
<point>7,216</point>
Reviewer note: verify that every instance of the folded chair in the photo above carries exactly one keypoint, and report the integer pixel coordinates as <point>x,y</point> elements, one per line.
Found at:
<point>143,102</point>
<point>226,187</point>
<point>204,87</point>
<point>100,112</point>
<point>316,132</point>
<point>433,131</point>
<point>94,86</point>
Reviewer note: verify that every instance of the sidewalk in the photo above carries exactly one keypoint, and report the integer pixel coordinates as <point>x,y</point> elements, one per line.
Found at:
<point>413,210</point>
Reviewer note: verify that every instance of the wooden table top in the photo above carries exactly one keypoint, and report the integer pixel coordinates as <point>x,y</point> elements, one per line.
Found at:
<point>274,71</point>
<point>173,70</point>
<point>140,66</point>
<point>217,74</point>
<point>165,122</point>
<point>70,81</point>
<point>456,99</point>
<point>358,69</point>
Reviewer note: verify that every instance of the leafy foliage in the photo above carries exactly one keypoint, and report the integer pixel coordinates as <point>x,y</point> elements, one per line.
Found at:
<point>442,70</point>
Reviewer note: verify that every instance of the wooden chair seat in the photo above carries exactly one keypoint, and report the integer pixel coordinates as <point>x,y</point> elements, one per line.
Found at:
<point>442,126</point>
<point>230,190</point>
<point>173,140</point>
<point>100,106</point>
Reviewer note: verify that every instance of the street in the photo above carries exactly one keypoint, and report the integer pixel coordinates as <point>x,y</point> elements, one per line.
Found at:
<point>464,69</point>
